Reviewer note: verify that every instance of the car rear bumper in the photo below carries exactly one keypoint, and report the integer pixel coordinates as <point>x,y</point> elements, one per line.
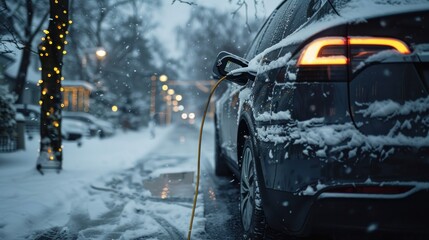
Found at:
<point>405,215</point>
<point>302,214</point>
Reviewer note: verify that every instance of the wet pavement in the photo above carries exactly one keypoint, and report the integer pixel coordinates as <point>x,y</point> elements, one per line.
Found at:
<point>171,185</point>
<point>153,199</point>
<point>221,198</point>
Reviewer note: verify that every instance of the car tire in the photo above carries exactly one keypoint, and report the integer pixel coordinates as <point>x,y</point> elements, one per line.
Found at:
<point>221,167</point>
<point>252,214</point>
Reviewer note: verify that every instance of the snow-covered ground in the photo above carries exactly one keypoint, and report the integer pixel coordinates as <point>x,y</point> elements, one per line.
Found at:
<point>102,193</point>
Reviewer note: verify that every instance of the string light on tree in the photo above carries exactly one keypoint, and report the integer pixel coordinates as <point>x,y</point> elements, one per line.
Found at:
<point>51,52</point>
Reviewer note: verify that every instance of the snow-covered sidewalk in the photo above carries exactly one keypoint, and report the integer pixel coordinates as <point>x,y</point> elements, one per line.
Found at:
<point>30,202</point>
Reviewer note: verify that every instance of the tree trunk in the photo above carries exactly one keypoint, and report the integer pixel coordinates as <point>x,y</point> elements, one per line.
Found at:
<point>22,72</point>
<point>51,51</point>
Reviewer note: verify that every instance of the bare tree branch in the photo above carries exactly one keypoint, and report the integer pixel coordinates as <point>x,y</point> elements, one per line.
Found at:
<point>240,4</point>
<point>39,26</point>
<point>183,1</point>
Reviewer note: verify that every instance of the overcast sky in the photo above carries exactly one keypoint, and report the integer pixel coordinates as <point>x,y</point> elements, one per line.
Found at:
<point>174,15</point>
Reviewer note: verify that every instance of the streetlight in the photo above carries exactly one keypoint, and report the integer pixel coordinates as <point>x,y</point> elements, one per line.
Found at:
<point>114,108</point>
<point>179,98</point>
<point>191,115</point>
<point>162,78</point>
<point>100,53</point>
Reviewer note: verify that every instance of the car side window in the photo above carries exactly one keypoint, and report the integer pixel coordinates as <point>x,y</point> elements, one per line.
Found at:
<point>283,24</point>
<point>313,7</point>
<point>256,42</point>
<point>276,27</point>
<point>299,13</point>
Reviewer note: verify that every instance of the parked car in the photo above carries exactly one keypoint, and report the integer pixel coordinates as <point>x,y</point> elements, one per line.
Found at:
<point>326,119</point>
<point>96,126</point>
<point>71,130</point>
<point>31,114</point>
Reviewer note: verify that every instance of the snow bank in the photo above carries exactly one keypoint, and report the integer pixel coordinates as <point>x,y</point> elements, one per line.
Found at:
<point>30,202</point>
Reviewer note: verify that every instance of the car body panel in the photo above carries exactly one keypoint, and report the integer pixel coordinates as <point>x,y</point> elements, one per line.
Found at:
<point>315,137</point>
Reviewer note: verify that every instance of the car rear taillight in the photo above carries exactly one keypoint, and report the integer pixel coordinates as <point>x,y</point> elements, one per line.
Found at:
<point>327,58</point>
<point>324,51</point>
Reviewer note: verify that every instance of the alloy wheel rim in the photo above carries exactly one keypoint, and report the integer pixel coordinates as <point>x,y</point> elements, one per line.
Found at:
<point>247,193</point>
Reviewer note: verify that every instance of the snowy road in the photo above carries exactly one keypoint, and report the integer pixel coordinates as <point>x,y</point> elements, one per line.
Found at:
<point>149,198</point>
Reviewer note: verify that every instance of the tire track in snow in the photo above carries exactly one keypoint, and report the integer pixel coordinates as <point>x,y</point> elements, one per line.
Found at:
<point>172,231</point>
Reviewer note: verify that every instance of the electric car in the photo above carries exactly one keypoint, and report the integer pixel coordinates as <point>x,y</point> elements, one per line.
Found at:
<point>325,120</point>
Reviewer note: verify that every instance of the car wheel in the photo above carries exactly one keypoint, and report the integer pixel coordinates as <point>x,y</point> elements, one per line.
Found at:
<point>221,168</point>
<point>252,214</point>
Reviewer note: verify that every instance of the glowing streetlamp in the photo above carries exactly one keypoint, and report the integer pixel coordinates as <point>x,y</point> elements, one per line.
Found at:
<point>163,78</point>
<point>100,53</point>
<point>179,98</point>
<point>170,91</point>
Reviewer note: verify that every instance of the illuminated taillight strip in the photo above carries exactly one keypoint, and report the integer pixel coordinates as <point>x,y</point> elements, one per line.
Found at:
<point>310,54</point>
<point>396,44</point>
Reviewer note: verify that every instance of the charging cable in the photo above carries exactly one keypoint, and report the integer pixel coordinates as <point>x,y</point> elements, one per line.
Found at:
<point>197,184</point>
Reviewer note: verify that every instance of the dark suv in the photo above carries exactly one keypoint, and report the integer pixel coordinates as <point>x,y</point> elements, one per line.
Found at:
<point>326,119</point>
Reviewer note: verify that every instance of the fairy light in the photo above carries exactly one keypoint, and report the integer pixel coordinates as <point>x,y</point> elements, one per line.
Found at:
<point>53,45</point>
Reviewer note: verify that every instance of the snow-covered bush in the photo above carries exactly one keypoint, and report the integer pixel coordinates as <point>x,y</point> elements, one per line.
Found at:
<point>7,112</point>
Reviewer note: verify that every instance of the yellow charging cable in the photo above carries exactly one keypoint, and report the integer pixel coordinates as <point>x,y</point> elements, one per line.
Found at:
<point>199,156</point>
